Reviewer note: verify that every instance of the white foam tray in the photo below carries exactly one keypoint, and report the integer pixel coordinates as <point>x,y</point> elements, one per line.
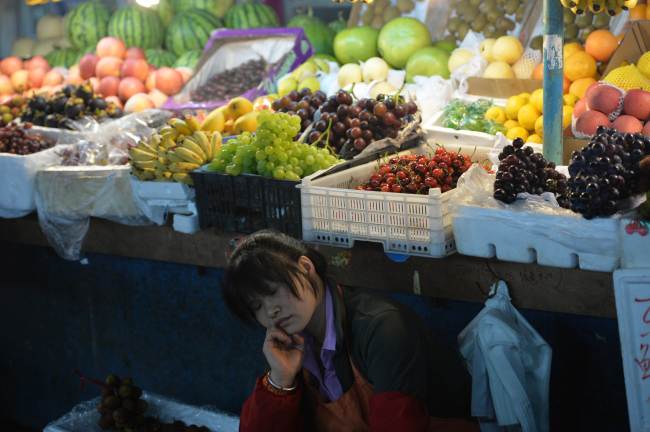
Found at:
<point>529,237</point>
<point>635,248</point>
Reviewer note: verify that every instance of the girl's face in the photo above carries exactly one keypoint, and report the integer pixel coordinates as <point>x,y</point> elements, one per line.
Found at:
<point>283,310</point>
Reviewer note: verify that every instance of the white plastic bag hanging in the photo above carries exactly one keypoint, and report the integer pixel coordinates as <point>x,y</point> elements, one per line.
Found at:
<point>510,365</point>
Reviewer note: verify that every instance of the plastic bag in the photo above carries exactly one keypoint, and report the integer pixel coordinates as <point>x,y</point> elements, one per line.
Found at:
<point>67,197</point>
<point>510,364</point>
<point>475,67</point>
<point>432,94</point>
<point>84,417</point>
<point>282,49</point>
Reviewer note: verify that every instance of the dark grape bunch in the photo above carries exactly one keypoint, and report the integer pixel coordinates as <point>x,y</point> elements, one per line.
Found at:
<point>14,139</point>
<point>522,170</point>
<point>417,174</point>
<point>606,171</point>
<point>354,125</point>
<point>122,409</point>
<point>71,103</point>
<point>302,103</point>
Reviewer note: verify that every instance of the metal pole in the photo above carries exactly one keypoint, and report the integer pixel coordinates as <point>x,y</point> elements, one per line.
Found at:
<point>553,79</point>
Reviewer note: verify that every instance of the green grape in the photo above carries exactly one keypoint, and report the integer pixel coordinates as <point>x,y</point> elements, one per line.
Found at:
<point>298,170</point>
<point>237,159</point>
<point>260,155</point>
<point>282,157</point>
<point>233,169</point>
<point>294,161</point>
<point>290,175</point>
<point>279,173</point>
<point>270,166</point>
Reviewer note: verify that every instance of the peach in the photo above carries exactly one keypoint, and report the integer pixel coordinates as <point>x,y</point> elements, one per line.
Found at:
<point>637,104</point>
<point>135,53</point>
<point>88,66</point>
<point>579,108</point>
<point>53,78</point>
<point>186,73</point>
<point>115,100</point>
<point>74,76</point>
<point>158,98</point>
<point>20,80</point>
<point>150,83</point>
<point>138,102</point>
<point>6,88</point>
<point>111,47</point>
<point>109,86</point>
<point>137,68</point>
<point>646,129</point>
<point>604,98</point>
<point>108,66</point>
<point>10,65</point>
<point>627,124</point>
<point>94,83</point>
<point>589,121</point>
<point>36,76</point>
<point>169,81</point>
<point>37,62</point>
<point>128,87</point>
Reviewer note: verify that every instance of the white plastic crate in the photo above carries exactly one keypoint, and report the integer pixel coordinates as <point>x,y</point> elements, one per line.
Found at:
<point>334,213</point>
<point>635,247</point>
<point>529,237</point>
<point>448,137</point>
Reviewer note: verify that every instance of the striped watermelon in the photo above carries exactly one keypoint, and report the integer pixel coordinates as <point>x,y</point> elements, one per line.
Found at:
<point>190,31</point>
<point>137,27</point>
<point>216,7</point>
<point>165,11</point>
<point>251,15</point>
<point>188,59</point>
<point>87,23</point>
<point>160,58</point>
<point>64,57</point>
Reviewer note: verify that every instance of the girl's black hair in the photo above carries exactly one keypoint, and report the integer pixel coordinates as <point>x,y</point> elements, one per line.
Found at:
<point>260,262</point>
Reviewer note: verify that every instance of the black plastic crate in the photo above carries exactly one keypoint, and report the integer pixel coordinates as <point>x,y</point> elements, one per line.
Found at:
<point>247,203</point>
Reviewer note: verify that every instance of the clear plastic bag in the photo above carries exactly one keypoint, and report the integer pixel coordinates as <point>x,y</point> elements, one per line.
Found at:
<point>84,416</point>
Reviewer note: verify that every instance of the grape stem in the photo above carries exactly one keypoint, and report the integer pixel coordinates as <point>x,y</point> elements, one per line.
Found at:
<point>84,379</point>
<point>326,134</point>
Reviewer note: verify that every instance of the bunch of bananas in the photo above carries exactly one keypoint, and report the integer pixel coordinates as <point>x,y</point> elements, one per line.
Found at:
<point>173,151</point>
<point>611,7</point>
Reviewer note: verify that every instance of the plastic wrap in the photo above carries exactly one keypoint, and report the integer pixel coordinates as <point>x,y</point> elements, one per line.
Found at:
<point>612,116</point>
<point>84,416</point>
<point>475,67</point>
<point>67,197</point>
<point>284,49</point>
<point>432,94</point>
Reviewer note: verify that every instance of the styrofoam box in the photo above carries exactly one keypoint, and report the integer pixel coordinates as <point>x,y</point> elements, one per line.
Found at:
<point>334,213</point>
<point>635,248</point>
<point>152,190</point>
<point>528,237</point>
<point>84,417</point>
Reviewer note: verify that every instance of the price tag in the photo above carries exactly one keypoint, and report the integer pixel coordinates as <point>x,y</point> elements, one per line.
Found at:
<point>632,291</point>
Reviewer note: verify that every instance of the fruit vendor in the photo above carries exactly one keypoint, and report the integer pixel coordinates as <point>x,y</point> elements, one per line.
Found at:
<point>341,359</point>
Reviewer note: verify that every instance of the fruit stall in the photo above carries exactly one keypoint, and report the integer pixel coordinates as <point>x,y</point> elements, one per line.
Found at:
<point>427,148</point>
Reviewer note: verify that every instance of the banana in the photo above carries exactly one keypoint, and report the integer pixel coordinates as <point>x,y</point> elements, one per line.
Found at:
<point>163,175</point>
<point>146,164</point>
<point>180,126</point>
<point>140,154</point>
<point>159,166</point>
<point>215,143</point>
<point>580,7</point>
<point>596,6</point>
<point>172,157</point>
<point>214,121</point>
<point>183,178</point>
<point>183,167</point>
<point>192,123</point>
<point>168,143</point>
<point>202,139</point>
<point>147,147</point>
<point>568,4</point>
<point>155,140</point>
<point>188,155</point>
<point>167,129</point>
<point>629,4</point>
<point>612,7</point>
<point>192,145</point>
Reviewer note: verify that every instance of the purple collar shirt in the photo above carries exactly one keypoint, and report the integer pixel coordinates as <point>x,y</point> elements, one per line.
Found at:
<point>329,384</point>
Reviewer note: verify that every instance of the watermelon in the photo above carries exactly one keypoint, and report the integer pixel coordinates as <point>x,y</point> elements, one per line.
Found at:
<point>338,24</point>
<point>165,11</point>
<point>217,8</point>
<point>87,23</point>
<point>188,59</point>
<point>251,15</point>
<point>318,33</point>
<point>64,57</point>
<point>137,27</point>
<point>190,30</point>
<point>160,58</point>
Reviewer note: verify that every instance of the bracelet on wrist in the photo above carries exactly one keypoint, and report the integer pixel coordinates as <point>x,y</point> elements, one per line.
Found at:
<point>278,388</point>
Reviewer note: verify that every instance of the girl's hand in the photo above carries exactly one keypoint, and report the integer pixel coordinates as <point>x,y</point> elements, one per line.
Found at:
<point>284,353</point>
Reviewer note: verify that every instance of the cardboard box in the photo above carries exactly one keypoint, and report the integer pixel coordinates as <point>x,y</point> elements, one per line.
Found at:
<point>501,88</point>
<point>635,43</point>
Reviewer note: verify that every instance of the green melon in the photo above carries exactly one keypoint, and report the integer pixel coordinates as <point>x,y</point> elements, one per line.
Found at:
<point>189,59</point>
<point>64,57</point>
<point>190,30</point>
<point>137,27</point>
<point>216,7</point>
<point>87,23</point>
<point>251,15</point>
<point>318,33</point>
<point>160,58</point>
<point>338,25</point>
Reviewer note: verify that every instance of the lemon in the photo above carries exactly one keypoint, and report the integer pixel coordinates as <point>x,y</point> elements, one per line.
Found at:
<point>570,99</point>
<point>567,113</point>
<point>496,114</point>
<point>644,64</point>
<point>509,124</point>
<point>513,106</point>
<point>527,117</point>
<point>525,95</point>
<point>539,126</point>
<point>534,138</point>
<point>517,132</point>
<point>537,100</point>
<point>571,48</point>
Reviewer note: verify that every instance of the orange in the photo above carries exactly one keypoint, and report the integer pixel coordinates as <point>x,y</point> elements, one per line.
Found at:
<point>538,72</point>
<point>647,12</point>
<point>571,48</point>
<point>601,44</point>
<point>579,87</point>
<point>638,12</point>
<point>579,65</point>
<point>565,84</point>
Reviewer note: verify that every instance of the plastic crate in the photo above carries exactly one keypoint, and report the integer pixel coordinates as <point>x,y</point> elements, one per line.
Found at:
<point>247,203</point>
<point>333,213</point>
<point>635,244</point>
